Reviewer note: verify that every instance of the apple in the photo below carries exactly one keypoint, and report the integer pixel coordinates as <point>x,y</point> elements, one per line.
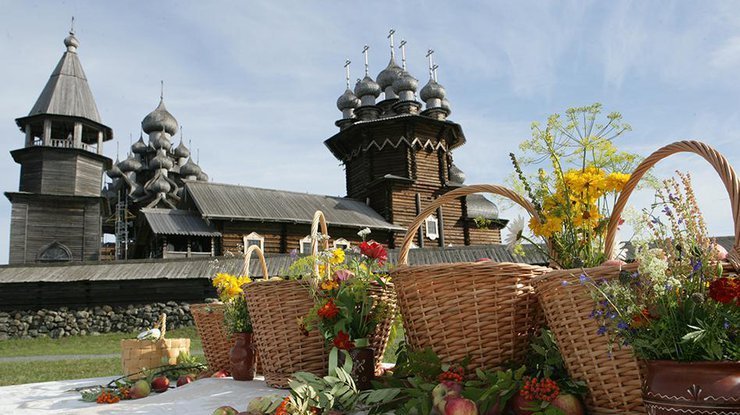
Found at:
<point>483,260</point>
<point>519,405</point>
<point>221,374</point>
<point>185,379</point>
<point>225,410</point>
<point>140,389</point>
<point>442,392</point>
<point>569,404</point>
<point>460,406</point>
<point>160,384</point>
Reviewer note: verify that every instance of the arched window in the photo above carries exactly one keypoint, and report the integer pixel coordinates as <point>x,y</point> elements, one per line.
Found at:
<point>254,239</point>
<point>305,245</point>
<point>431,225</point>
<point>342,243</point>
<point>55,252</point>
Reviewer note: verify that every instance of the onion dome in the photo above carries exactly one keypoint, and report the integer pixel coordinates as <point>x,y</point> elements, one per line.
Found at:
<point>456,175</point>
<point>190,169</point>
<point>160,140</point>
<point>367,87</point>
<point>181,151</point>
<point>160,119</point>
<point>347,101</point>
<point>405,82</point>
<point>159,184</point>
<point>432,90</point>
<point>71,42</point>
<point>202,177</point>
<point>388,76</point>
<point>139,147</point>
<point>480,207</point>
<point>130,164</point>
<point>446,105</point>
<point>161,161</point>
<point>114,171</point>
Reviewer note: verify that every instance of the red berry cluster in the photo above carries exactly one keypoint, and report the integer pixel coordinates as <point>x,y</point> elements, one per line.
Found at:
<point>454,374</point>
<point>539,389</point>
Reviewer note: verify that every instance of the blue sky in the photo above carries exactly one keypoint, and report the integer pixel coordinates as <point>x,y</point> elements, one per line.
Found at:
<point>254,83</point>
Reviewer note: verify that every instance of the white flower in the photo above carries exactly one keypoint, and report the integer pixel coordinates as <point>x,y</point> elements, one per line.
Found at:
<point>516,230</point>
<point>151,334</point>
<point>364,233</point>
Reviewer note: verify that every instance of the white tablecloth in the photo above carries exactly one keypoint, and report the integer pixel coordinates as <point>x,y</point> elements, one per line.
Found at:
<point>198,398</point>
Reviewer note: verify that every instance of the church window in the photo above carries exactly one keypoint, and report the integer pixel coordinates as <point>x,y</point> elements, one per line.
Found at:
<point>254,239</point>
<point>342,243</point>
<point>305,245</point>
<point>431,225</point>
<point>55,252</point>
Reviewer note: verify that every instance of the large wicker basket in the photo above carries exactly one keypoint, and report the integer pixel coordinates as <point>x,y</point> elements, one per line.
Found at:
<point>614,378</point>
<point>276,306</point>
<point>138,355</point>
<point>482,310</point>
<point>209,321</point>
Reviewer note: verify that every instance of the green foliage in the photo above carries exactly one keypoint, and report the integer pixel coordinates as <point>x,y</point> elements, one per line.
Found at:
<point>335,391</point>
<point>482,223</point>
<point>493,388</point>
<point>545,361</point>
<point>424,364</point>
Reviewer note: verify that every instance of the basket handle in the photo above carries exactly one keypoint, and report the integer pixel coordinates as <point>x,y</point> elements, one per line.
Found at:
<point>260,255</point>
<point>452,195</point>
<point>318,220</point>
<point>721,166</point>
<point>162,325</point>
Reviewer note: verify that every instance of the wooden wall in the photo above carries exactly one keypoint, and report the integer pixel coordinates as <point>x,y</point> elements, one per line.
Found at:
<point>37,221</point>
<point>282,238</point>
<point>61,171</point>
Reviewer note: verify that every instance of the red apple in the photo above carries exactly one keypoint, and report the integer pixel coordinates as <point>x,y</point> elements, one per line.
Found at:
<point>225,410</point>
<point>185,379</point>
<point>519,405</point>
<point>221,374</point>
<point>160,384</point>
<point>460,406</point>
<point>141,389</point>
<point>569,404</point>
<point>442,392</point>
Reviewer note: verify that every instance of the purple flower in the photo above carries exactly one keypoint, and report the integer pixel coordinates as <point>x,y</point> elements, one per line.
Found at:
<point>697,266</point>
<point>601,331</point>
<point>564,283</point>
<point>667,211</point>
<point>622,325</point>
<point>583,278</point>
<point>612,315</point>
<point>726,325</point>
<point>293,254</point>
<point>343,275</point>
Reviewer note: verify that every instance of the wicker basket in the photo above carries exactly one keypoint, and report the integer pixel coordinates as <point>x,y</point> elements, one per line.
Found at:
<point>614,380</point>
<point>276,306</point>
<point>137,355</point>
<point>209,321</point>
<point>484,310</point>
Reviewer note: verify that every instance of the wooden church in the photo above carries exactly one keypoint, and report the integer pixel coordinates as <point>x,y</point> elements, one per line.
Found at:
<point>396,150</point>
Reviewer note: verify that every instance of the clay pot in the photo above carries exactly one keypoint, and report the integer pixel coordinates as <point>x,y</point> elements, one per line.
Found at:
<point>363,366</point>
<point>242,357</point>
<point>707,388</point>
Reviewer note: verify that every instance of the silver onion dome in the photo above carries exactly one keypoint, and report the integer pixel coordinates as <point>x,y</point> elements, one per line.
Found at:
<point>139,147</point>
<point>388,76</point>
<point>190,169</point>
<point>347,100</point>
<point>456,175</point>
<point>432,90</point>
<point>161,161</point>
<point>367,87</point>
<point>160,140</point>
<point>71,42</point>
<point>181,151</point>
<point>130,164</point>
<point>202,177</point>
<point>405,82</point>
<point>114,171</point>
<point>159,184</point>
<point>160,119</point>
<point>446,105</point>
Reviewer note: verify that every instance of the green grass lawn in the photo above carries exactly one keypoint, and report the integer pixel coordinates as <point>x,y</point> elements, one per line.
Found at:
<point>93,345</point>
<point>14,373</point>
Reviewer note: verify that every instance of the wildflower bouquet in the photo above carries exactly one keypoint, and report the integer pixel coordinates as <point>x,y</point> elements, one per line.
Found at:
<point>345,312</point>
<point>236,314</point>
<point>678,305</point>
<point>574,200</point>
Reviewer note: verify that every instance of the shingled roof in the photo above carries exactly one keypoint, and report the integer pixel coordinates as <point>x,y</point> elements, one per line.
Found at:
<point>233,202</point>
<point>178,222</point>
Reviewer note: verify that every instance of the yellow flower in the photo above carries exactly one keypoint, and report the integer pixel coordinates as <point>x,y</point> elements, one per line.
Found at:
<point>615,181</point>
<point>587,215</point>
<point>329,285</point>
<point>551,226</point>
<point>337,256</point>
<point>322,269</point>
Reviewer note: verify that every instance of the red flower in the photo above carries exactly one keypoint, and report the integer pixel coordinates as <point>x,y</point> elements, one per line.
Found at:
<point>724,290</point>
<point>328,310</point>
<point>374,251</point>
<point>341,341</point>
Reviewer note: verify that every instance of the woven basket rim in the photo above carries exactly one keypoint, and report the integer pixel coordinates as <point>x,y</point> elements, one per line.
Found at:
<point>481,264</point>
